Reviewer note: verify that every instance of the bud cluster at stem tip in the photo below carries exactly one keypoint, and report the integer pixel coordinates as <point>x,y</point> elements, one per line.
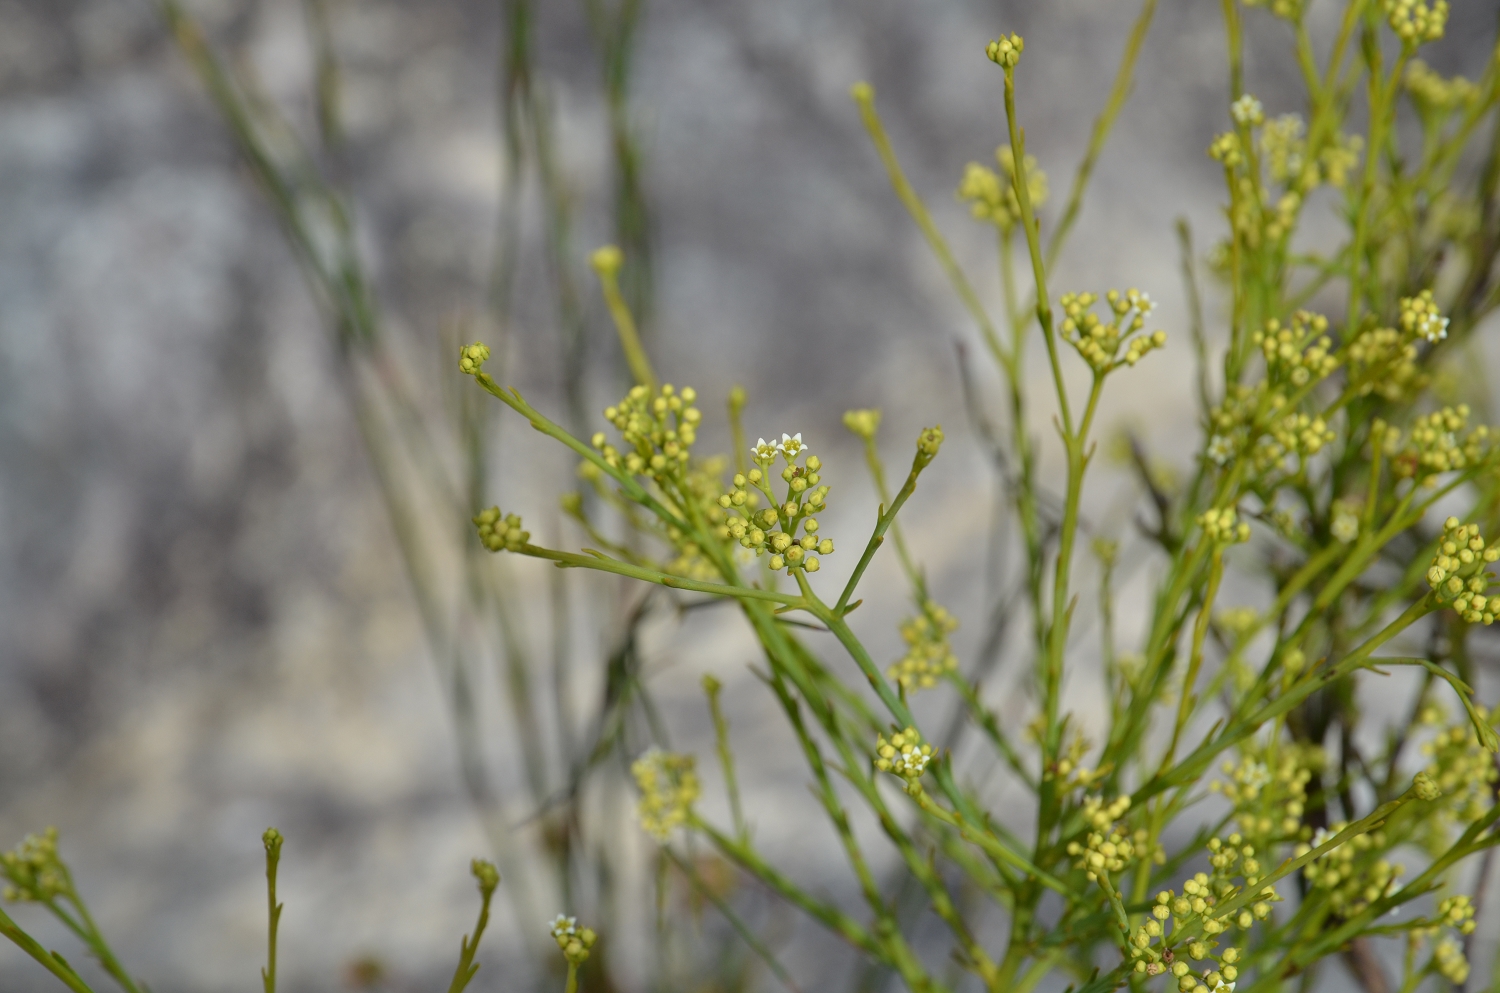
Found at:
<point>1005,51</point>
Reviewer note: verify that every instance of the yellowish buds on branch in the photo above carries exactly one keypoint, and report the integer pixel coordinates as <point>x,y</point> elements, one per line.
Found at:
<point>992,196</point>
<point>471,358</point>
<point>669,786</point>
<point>1099,342</point>
<point>862,423</point>
<point>1420,318</point>
<point>500,533</point>
<point>574,941</point>
<point>1458,576</point>
<point>1417,21</point>
<point>1222,525</point>
<point>904,755</point>
<point>929,657</point>
<point>1005,51</point>
<point>928,444</point>
<point>34,871</point>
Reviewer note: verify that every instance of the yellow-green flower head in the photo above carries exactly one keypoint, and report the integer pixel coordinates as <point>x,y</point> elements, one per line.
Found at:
<point>499,533</point>
<point>774,531</point>
<point>659,430</point>
<point>1420,318</point>
<point>1449,960</point>
<point>992,196</point>
<point>1247,111</point>
<point>1417,21</point>
<point>1100,342</point>
<point>574,941</point>
<point>1458,574</point>
<point>472,357</point>
<point>929,442</point>
<point>34,870</point>
<point>904,755</point>
<point>1432,93</point>
<point>1225,149</point>
<point>669,786</point>
<point>607,259</point>
<point>1439,442</point>
<point>1005,51</point>
<point>929,657</point>
<point>1345,523</point>
<point>1222,525</point>
<point>1282,144</point>
<point>862,423</point>
<point>487,875</point>
<point>791,446</point>
<point>1425,787</point>
<point>1298,352</point>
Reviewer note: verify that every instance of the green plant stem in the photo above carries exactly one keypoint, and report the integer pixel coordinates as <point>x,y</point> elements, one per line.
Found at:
<point>273,915</point>
<point>712,688</point>
<point>467,967</point>
<point>51,961</point>
<point>630,338</point>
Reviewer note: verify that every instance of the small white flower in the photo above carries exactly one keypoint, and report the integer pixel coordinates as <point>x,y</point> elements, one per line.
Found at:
<point>562,925</point>
<point>791,445</point>
<point>1220,449</point>
<point>763,451</point>
<point>1345,527</point>
<point>1247,110</point>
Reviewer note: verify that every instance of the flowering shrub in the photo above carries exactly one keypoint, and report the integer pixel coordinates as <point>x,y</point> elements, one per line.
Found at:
<point>1233,823</point>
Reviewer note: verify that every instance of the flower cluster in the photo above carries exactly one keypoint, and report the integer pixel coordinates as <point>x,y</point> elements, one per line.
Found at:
<point>574,941</point>
<point>1005,51</point>
<point>1353,874</point>
<point>862,423</point>
<point>1420,317</point>
<point>34,870</point>
<point>1432,93</point>
<point>1438,443</point>
<point>658,431</point>
<point>1298,351</point>
<point>1099,341</point>
<point>904,755</point>
<point>1463,772</point>
<point>1109,847</point>
<point>1153,945</point>
<point>1226,149</point>
<point>1222,525</point>
<point>1448,960</point>
<point>992,196</point>
<point>928,657</point>
<point>1384,361</point>
<point>1417,21</point>
<point>1268,791</point>
<point>774,530</point>
<point>497,533</point>
<point>669,785</point>
<point>1458,575</point>
<point>471,358</point>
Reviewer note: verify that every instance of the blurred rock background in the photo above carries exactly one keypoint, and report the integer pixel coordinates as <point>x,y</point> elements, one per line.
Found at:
<point>204,626</point>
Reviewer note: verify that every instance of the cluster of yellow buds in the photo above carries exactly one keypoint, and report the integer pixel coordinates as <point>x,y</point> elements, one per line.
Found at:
<point>1299,351</point>
<point>1222,525</point>
<point>658,430</point>
<point>773,531</point>
<point>574,941</point>
<point>1417,21</point>
<point>669,786</point>
<point>1225,149</point>
<point>1200,895</point>
<point>497,533</point>
<point>1343,521</point>
<point>1458,913</point>
<point>1352,874</point>
<point>928,657</point>
<point>1437,443</point>
<point>1099,341</point>
<point>1462,770</point>
<point>1339,158</point>
<point>1269,796</point>
<point>1420,317</point>
<point>1109,847</point>
<point>1384,361</point>
<point>1434,94</point>
<point>862,423</point>
<point>1296,433</point>
<point>1005,51</point>
<point>471,358</point>
<point>992,196</point>
<point>904,755</point>
<point>33,869</point>
<point>1458,574</point>
<point>1284,148</point>
<point>1449,960</point>
<point>1068,770</point>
